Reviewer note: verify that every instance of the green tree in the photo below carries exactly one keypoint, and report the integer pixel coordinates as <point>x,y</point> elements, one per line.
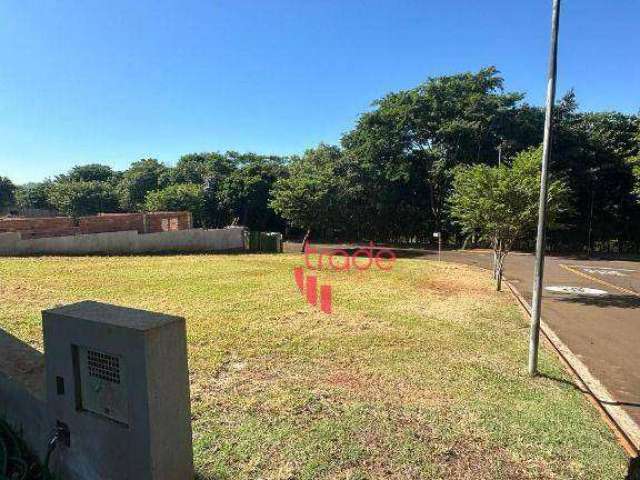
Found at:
<point>199,167</point>
<point>594,152</point>
<point>209,170</point>
<point>312,195</point>
<point>7,191</point>
<point>144,176</point>
<point>178,197</point>
<point>402,152</point>
<point>500,204</point>
<point>245,192</point>
<point>34,195</point>
<point>78,198</point>
<point>93,172</point>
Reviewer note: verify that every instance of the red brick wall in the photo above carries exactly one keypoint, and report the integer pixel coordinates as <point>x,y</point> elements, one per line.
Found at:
<point>112,222</point>
<point>167,221</point>
<point>51,224</point>
<point>108,222</point>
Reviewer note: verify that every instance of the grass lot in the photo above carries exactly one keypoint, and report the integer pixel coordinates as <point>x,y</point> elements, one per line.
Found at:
<point>419,373</point>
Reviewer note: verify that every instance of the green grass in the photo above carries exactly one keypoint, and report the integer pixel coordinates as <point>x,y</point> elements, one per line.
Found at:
<point>419,373</point>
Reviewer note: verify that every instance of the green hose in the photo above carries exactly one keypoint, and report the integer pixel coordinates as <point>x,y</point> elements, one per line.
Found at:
<point>16,462</point>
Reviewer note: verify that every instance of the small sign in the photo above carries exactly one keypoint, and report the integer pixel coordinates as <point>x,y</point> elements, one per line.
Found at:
<point>436,234</point>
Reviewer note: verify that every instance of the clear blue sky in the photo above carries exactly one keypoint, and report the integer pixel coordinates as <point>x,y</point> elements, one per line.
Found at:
<point>114,81</point>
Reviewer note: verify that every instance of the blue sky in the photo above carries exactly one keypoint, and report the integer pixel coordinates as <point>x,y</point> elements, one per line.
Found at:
<point>114,81</point>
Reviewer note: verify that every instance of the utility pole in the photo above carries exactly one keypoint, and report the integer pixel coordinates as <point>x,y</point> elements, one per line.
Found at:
<point>542,209</point>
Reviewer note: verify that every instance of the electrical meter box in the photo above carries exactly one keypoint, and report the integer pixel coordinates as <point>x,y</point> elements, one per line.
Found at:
<point>117,379</point>
<point>103,383</point>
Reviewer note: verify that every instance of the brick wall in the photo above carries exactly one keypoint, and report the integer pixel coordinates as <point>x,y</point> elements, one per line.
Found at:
<point>167,221</point>
<point>112,222</point>
<point>47,223</point>
<point>102,223</point>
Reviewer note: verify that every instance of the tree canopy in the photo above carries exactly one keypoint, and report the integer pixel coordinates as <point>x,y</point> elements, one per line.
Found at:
<point>78,198</point>
<point>178,197</point>
<point>144,176</point>
<point>392,175</point>
<point>7,191</point>
<point>500,204</point>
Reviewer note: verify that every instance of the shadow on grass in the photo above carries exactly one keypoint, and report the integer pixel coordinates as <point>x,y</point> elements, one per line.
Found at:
<point>587,392</point>
<point>634,469</point>
<point>633,472</point>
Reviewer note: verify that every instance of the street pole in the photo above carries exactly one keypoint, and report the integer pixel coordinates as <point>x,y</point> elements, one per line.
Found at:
<point>542,208</point>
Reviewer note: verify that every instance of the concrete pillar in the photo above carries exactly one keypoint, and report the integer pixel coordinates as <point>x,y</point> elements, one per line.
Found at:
<point>117,379</point>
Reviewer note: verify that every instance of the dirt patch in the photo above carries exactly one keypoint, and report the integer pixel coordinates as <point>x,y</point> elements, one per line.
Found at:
<point>371,387</point>
<point>459,285</point>
<point>470,458</point>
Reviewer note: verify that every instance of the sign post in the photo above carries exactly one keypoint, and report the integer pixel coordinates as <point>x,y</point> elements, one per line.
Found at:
<point>439,237</point>
<point>536,303</point>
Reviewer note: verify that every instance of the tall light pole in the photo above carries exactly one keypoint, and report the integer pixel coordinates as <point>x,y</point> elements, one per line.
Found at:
<point>542,209</point>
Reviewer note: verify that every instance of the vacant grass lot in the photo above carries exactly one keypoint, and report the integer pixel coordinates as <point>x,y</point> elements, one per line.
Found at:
<point>419,373</point>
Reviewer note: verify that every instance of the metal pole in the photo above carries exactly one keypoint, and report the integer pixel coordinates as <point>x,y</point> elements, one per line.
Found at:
<point>542,209</point>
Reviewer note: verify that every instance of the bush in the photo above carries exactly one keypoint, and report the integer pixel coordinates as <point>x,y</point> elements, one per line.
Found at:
<point>83,198</point>
<point>176,198</point>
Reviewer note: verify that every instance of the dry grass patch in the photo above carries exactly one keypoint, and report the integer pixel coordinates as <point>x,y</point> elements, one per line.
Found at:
<point>419,373</point>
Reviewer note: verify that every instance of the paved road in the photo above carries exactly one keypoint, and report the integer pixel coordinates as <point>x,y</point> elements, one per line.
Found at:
<point>603,331</point>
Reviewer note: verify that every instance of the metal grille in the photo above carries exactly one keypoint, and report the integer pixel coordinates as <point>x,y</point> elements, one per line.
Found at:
<point>103,366</point>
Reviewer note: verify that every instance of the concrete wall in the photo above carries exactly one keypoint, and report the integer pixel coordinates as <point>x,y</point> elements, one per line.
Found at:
<point>152,439</point>
<point>25,412</point>
<point>131,242</point>
<point>22,391</point>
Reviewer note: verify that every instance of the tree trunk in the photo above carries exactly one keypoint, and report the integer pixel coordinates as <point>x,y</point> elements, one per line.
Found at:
<point>305,240</point>
<point>494,266</point>
<point>498,261</point>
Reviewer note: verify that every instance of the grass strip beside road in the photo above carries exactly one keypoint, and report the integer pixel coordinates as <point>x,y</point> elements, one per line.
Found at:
<point>419,373</point>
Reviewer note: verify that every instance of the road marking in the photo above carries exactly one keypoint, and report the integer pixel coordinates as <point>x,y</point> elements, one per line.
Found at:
<point>625,428</point>
<point>612,273</point>
<point>604,270</point>
<point>603,282</point>
<point>596,267</point>
<point>590,292</point>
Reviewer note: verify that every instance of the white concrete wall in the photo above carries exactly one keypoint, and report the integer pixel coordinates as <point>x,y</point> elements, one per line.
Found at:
<point>194,240</point>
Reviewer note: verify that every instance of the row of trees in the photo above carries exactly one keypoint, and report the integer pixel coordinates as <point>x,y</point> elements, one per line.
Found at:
<point>217,188</point>
<point>392,175</point>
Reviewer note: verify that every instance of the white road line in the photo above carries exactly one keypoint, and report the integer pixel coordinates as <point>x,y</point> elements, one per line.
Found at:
<point>595,267</point>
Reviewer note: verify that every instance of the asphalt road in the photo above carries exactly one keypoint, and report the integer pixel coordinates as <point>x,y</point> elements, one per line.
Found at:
<point>602,330</point>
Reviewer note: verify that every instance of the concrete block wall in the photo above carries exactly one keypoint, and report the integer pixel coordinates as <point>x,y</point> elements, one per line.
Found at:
<point>38,392</point>
<point>131,242</point>
<point>22,391</point>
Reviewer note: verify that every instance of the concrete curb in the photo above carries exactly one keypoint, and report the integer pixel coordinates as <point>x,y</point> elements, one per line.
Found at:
<point>624,426</point>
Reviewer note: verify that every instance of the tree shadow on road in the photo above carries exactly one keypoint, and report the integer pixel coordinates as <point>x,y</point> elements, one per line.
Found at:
<point>617,301</point>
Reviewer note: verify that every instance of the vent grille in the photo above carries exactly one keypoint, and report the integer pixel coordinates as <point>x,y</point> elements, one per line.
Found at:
<point>103,366</point>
